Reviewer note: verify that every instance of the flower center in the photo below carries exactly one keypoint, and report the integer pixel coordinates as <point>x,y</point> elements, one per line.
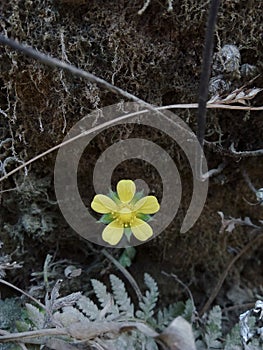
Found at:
<point>125,215</point>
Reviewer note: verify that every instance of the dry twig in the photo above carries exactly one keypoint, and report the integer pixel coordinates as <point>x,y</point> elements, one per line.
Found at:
<point>223,276</point>
<point>23,292</point>
<point>125,273</point>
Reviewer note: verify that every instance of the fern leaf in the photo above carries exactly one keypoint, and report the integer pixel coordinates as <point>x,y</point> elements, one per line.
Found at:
<point>35,316</point>
<point>109,310</point>
<point>188,311</point>
<point>150,299</point>
<point>168,314</point>
<point>121,296</point>
<point>69,315</point>
<point>88,307</point>
<point>101,293</point>
<point>214,328</point>
<point>233,339</point>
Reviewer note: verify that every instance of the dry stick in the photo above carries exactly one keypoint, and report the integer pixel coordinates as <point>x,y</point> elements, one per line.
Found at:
<point>224,274</point>
<point>206,70</point>
<point>125,273</point>
<point>204,82</point>
<point>248,181</point>
<point>54,62</point>
<point>81,331</point>
<point>212,105</point>
<point>238,306</point>
<point>245,153</point>
<point>23,292</point>
<point>128,116</point>
<point>22,345</point>
<point>185,287</point>
<point>85,133</point>
<point>232,152</point>
<point>21,336</point>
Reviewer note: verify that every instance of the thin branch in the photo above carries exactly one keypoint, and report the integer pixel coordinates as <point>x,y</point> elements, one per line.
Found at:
<point>206,70</point>
<point>211,105</point>
<point>225,273</point>
<point>231,152</point>
<point>54,62</point>
<point>237,307</point>
<point>22,336</point>
<point>144,8</point>
<point>126,117</point>
<point>85,133</point>
<point>255,153</point>
<point>23,292</point>
<point>184,286</point>
<point>215,171</point>
<point>248,181</point>
<point>22,345</point>
<point>125,273</point>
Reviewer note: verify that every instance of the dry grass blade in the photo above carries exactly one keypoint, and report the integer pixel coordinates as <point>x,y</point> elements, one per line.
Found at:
<point>241,96</point>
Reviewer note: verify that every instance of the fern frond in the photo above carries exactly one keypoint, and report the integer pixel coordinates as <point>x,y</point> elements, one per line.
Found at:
<point>188,310</point>
<point>109,311</point>
<point>35,316</point>
<point>149,300</point>
<point>88,308</point>
<point>68,316</point>
<point>214,328</point>
<point>101,293</point>
<point>233,338</point>
<point>168,314</point>
<point>121,296</point>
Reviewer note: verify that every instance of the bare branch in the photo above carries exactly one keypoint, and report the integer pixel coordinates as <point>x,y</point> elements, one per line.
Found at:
<point>231,152</point>
<point>206,69</point>
<point>215,171</point>
<point>212,105</point>
<point>255,153</point>
<point>248,181</point>
<point>224,274</point>
<point>125,273</point>
<point>54,62</point>
<point>23,292</point>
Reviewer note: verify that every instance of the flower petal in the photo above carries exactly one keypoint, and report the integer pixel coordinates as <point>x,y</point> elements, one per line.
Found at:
<point>113,233</point>
<point>147,205</point>
<point>103,204</point>
<point>126,190</point>
<point>141,230</point>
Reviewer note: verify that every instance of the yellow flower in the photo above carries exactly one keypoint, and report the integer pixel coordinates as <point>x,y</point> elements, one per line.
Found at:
<point>125,211</point>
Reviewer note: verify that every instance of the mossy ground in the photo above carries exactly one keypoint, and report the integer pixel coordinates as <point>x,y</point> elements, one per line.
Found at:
<point>157,57</point>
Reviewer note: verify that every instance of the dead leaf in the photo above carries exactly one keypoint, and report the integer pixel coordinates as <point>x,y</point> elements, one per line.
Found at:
<point>178,335</point>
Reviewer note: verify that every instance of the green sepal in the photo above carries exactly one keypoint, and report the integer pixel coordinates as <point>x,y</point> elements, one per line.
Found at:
<point>114,196</point>
<point>138,195</point>
<point>144,217</point>
<point>128,233</point>
<point>106,219</point>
